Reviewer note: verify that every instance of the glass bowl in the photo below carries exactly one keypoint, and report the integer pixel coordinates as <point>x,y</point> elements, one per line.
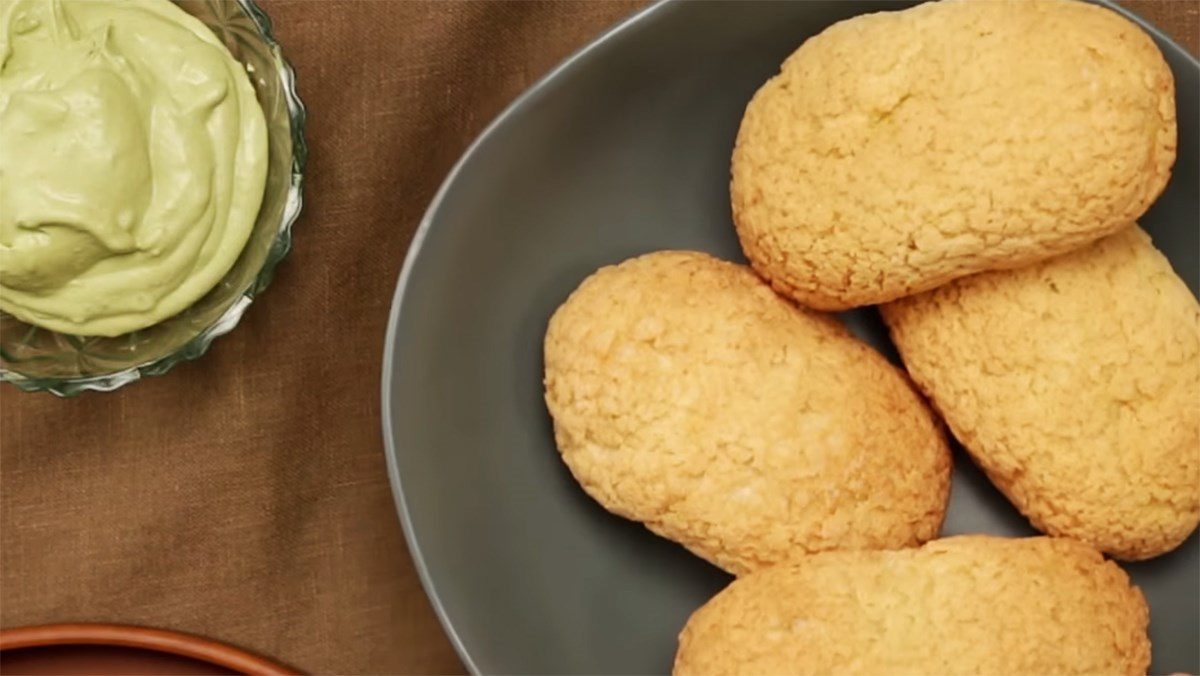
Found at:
<point>34,358</point>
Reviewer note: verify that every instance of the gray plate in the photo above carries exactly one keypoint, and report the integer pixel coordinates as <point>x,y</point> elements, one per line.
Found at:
<point>623,149</point>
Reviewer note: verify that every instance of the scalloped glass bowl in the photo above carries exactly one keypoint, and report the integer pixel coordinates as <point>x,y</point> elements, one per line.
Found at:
<point>35,359</point>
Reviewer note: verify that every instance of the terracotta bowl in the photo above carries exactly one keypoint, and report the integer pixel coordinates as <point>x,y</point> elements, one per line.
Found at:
<point>110,649</point>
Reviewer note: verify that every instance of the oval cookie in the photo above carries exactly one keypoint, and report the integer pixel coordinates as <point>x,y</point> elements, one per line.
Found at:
<point>688,396</point>
<point>1075,384</point>
<point>897,151</point>
<point>962,605</point>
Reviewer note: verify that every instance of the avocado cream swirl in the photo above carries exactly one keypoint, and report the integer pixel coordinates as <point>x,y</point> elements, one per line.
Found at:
<point>133,156</point>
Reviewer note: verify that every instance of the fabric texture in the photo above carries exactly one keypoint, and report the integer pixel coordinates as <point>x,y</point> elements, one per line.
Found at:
<point>244,496</point>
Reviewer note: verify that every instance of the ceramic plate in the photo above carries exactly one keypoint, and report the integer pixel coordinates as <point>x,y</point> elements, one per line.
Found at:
<point>623,149</point>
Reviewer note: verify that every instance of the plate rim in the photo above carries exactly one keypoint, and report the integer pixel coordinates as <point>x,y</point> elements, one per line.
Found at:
<point>390,360</point>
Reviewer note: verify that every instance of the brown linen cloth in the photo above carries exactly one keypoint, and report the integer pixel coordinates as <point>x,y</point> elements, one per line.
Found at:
<point>243,497</point>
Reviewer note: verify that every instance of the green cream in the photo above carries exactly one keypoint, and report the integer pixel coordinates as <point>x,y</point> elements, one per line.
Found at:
<point>133,156</point>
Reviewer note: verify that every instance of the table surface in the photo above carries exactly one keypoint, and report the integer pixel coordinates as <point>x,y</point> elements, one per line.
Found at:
<point>243,497</point>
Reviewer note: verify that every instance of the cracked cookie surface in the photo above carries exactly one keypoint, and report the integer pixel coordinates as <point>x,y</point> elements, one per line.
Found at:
<point>687,395</point>
<point>1075,384</point>
<point>960,605</point>
<point>899,150</point>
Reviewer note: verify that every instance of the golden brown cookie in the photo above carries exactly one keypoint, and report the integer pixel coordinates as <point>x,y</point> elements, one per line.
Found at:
<point>962,605</point>
<point>688,396</point>
<point>897,151</point>
<point>1075,384</point>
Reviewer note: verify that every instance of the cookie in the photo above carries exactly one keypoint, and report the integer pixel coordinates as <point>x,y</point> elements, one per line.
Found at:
<point>962,605</point>
<point>688,396</point>
<point>1075,384</point>
<point>897,151</point>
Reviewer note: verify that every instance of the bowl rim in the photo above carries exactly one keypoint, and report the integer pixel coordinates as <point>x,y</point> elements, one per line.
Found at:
<point>142,638</point>
<point>282,244</point>
<point>392,365</point>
